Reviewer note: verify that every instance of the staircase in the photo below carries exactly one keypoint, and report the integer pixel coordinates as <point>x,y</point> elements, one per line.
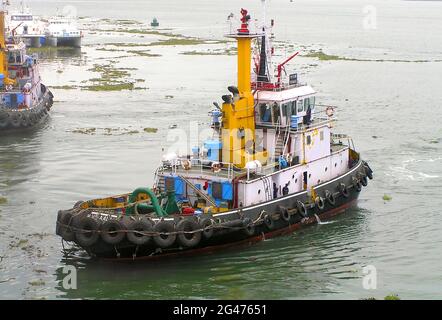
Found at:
<point>279,146</point>
<point>282,140</point>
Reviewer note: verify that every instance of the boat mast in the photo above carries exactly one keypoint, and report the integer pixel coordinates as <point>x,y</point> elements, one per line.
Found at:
<point>265,64</point>
<point>238,131</point>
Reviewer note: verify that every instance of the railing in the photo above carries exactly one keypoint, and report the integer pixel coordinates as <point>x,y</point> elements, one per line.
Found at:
<point>202,166</point>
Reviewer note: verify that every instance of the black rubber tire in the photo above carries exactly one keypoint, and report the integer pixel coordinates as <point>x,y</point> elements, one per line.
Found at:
<point>343,190</point>
<point>24,120</point>
<point>15,120</point>
<point>364,181</point>
<point>248,227</point>
<point>164,241</point>
<point>4,121</point>
<point>188,240</point>
<point>269,222</point>
<point>284,213</point>
<point>33,119</point>
<point>65,228</point>
<point>302,210</point>
<point>331,199</point>
<point>206,224</point>
<point>142,225</point>
<point>77,204</point>
<point>86,233</point>
<point>58,226</point>
<point>113,232</point>
<point>320,203</point>
<point>369,172</point>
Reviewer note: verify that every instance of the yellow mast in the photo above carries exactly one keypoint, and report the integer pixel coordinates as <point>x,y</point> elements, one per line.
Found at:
<point>3,55</point>
<point>238,131</point>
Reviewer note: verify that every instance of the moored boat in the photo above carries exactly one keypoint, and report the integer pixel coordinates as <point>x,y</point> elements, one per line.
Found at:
<point>62,32</point>
<point>273,165</point>
<point>23,24</point>
<point>26,101</point>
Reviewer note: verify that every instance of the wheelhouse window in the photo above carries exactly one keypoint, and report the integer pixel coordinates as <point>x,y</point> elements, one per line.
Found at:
<point>300,105</point>
<point>286,109</point>
<point>275,112</point>
<point>293,107</point>
<point>265,112</point>
<point>306,103</point>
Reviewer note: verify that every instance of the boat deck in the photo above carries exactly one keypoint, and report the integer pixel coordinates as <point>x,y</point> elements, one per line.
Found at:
<point>204,169</point>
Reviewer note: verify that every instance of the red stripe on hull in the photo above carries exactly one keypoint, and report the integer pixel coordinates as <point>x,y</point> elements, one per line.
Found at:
<point>245,242</point>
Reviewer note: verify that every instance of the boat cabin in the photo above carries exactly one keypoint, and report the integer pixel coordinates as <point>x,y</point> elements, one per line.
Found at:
<point>285,107</point>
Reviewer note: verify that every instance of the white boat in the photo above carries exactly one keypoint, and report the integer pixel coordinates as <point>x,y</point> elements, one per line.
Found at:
<point>62,31</point>
<point>23,24</point>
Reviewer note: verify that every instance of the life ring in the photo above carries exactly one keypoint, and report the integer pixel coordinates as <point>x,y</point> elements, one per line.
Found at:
<point>329,111</point>
<point>137,232</point>
<point>319,201</point>
<point>249,228</point>
<point>86,232</point>
<point>216,167</point>
<point>165,238</point>
<point>330,196</point>
<point>343,190</point>
<point>207,225</point>
<point>285,215</point>
<point>302,210</point>
<point>188,240</point>
<point>186,164</point>
<point>8,87</point>
<point>269,222</point>
<point>113,232</point>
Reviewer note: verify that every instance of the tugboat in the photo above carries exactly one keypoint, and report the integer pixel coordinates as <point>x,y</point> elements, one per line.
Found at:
<point>25,101</point>
<point>273,166</point>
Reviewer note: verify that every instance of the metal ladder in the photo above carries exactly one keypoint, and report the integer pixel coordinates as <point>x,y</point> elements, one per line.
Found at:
<point>267,188</point>
<point>198,191</point>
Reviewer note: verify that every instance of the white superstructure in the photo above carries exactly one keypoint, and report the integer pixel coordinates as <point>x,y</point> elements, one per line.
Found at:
<point>63,31</point>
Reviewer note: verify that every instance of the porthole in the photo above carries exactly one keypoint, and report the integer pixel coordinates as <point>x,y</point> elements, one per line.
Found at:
<point>335,164</point>
<point>259,191</point>
<point>326,169</point>
<point>309,175</point>
<point>296,180</point>
<point>319,181</point>
<point>293,177</point>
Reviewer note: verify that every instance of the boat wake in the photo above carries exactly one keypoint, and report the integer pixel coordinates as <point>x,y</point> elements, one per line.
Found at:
<point>414,175</point>
<point>322,222</point>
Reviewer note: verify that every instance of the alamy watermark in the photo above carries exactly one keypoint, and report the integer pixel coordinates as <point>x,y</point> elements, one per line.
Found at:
<point>70,278</point>
<point>369,22</point>
<point>370,278</point>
